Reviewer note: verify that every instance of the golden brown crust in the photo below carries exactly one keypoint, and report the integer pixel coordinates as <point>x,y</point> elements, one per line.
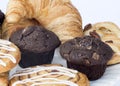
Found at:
<point>59,16</point>
<point>110,34</point>
<point>5,54</point>
<point>44,76</point>
<point>4,79</point>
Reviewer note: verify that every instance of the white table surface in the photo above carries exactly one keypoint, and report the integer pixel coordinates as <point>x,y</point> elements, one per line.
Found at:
<point>93,11</point>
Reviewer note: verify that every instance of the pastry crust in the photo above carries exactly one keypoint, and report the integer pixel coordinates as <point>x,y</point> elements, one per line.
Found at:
<point>4,79</point>
<point>109,33</point>
<point>59,16</point>
<point>9,55</point>
<point>48,75</point>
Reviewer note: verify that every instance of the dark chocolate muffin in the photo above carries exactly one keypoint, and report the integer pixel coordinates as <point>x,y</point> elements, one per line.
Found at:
<point>36,44</point>
<point>88,55</point>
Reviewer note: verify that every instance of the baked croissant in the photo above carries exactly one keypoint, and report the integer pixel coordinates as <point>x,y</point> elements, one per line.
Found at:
<point>59,16</point>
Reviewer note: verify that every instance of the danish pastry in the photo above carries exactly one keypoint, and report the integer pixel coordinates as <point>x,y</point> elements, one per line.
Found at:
<point>59,16</point>
<point>9,55</point>
<point>109,33</point>
<point>48,75</point>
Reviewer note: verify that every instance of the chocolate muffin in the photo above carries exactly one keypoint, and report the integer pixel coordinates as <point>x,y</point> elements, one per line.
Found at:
<point>88,55</point>
<point>36,44</point>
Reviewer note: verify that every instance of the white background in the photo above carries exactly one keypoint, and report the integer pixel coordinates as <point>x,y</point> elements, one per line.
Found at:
<point>93,11</point>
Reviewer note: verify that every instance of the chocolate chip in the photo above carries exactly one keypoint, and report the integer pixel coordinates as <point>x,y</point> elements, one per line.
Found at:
<point>110,41</point>
<point>87,27</point>
<point>94,34</point>
<point>54,71</point>
<point>95,56</point>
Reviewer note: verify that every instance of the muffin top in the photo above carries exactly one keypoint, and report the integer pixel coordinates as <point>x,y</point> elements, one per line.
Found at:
<point>2,16</point>
<point>35,39</point>
<point>86,50</point>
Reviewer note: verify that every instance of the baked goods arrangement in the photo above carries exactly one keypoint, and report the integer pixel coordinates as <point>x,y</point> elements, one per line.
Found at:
<point>31,30</point>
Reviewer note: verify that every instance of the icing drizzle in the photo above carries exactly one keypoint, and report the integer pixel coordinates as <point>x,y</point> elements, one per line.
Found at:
<point>5,45</point>
<point>44,79</point>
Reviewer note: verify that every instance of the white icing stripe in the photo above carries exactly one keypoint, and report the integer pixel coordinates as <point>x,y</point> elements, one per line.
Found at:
<point>7,48</point>
<point>2,63</point>
<point>57,82</point>
<point>5,42</point>
<point>41,79</point>
<point>46,68</point>
<point>44,81</point>
<point>8,56</point>
<point>48,74</point>
<point>41,68</point>
<point>5,45</point>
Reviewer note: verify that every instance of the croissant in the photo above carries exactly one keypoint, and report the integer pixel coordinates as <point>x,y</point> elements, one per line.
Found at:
<point>59,16</point>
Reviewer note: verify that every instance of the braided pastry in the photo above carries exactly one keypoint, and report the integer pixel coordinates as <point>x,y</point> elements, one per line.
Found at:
<point>109,33</point>
<point>48,75</point>
<point>59,16</point>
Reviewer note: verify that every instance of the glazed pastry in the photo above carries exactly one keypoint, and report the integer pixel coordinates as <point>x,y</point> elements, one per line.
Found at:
<point>2,16</point>
<point>37,45</point>
<point>4,79</point>
<point>66,22</point>
<point>9,55</point>
<point>109,33</point>
<point>48,75</point>
<point>87,54</point>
